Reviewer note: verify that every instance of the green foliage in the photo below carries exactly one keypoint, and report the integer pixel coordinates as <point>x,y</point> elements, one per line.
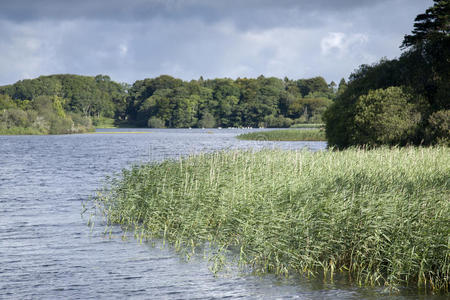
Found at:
<point>340,116</point>
<point>14,117</point>
<point>45,117</point>
<point>60,125</point>
<point>423,70</point>
<point>154,122</point>
<point>20,131</point>
<point>207,121</point>
<point>91,96</point>
<point>432,25</point>
<point>276,122</point>
<point>54,104</point>
<point>439,127</point>
<point>312,125</point>
<point>103,122</point>
<point>222,102</point>
<point>285,135</point>
<point>227,103</point>
<point>58,103</point>
<point>378,217</point>
<point>81,123</point>
<point>316,84</point>
<point>385,117</point>
<point>342,87</point>
<point>6,102</point>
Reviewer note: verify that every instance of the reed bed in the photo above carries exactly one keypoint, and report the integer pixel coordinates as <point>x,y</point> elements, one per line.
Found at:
<point>308,125</point>
<point>380,217</point>
<point>285,135</point>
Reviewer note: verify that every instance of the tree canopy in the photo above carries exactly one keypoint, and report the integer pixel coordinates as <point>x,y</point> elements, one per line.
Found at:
<point>170,102</point>
<point>367,104</point>
<point>264,101</point>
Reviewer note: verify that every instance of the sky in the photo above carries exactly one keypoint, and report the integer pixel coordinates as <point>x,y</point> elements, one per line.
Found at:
<point>136,39</point>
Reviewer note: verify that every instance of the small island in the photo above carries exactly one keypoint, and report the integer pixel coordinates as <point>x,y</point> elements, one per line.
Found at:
<point>285,135</point>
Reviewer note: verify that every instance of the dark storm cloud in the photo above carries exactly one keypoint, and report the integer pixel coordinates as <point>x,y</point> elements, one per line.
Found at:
<point>206,10</point>
<point>134,39</point>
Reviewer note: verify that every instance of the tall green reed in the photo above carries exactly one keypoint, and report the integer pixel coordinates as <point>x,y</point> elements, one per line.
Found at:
<point>382,217</point>
<point>285,135</point>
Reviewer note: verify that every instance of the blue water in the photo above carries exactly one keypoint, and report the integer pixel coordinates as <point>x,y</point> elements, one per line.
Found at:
<point>48,252</point>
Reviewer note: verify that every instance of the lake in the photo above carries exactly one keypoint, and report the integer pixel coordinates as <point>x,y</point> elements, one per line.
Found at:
<point>47,251</point>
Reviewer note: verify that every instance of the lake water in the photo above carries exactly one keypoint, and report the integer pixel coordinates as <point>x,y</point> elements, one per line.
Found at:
<point>48,252</point>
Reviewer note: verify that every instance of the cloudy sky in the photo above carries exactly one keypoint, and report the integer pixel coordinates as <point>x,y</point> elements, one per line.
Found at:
<point>136,39</point>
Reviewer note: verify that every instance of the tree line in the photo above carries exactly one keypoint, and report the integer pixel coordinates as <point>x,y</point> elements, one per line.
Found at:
<point>70,103</point>
<point>59,104</point>
<point>404,101</point>
<point>256,102</point>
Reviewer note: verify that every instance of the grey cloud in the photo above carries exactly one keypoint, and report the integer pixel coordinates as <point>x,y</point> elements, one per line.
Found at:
<point>136,39</point>
<point>244,14</point>
<point>141,10</point>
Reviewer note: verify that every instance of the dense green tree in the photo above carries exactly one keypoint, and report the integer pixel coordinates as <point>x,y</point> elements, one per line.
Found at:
<point>439,127</point>
<point>262,101</point>
<point>342,87</point>
<point>340,116</point>
<point>423,70</point>
<point>6,102</point>
<point>154,122</point>
<point>431,26</point>
<point>185,110</point>
<point>207,121</point>
<point>92,96</point>
<point>316,84</point>
<point>14,117</point>
<point>386,116</point>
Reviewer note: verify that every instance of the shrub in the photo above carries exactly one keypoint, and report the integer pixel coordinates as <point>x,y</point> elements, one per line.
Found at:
<point>439,127</point>
<point>155,122</point>
<point>207,121</point>
<point>385,116</point>
<point>277,122</point>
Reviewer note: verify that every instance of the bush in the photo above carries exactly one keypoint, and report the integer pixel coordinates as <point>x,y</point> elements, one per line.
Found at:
<point>277,122</point>
<point>207,121</point>
<point>61,126</point>
<point>6,102</point>
<point>385,116</point>
<point>14,118</point>
<point>155,122</point>
<point>439,127</point>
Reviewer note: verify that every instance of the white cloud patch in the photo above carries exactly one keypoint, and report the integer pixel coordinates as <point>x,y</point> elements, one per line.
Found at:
<point>123,50</point>
<point>340,44</point>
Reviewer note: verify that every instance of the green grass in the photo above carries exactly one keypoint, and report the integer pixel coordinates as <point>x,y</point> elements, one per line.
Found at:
<point>380,217</point>
<point>285,135</point>
<point>308,125</point>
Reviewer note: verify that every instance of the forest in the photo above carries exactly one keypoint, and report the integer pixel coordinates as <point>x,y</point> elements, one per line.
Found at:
<point>402,101</point>
<point>262,102</point>
<point>59,104</point>
<point>165,101</point>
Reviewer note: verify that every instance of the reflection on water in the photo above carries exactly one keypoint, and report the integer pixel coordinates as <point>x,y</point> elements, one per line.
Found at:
<point>48,252</point>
